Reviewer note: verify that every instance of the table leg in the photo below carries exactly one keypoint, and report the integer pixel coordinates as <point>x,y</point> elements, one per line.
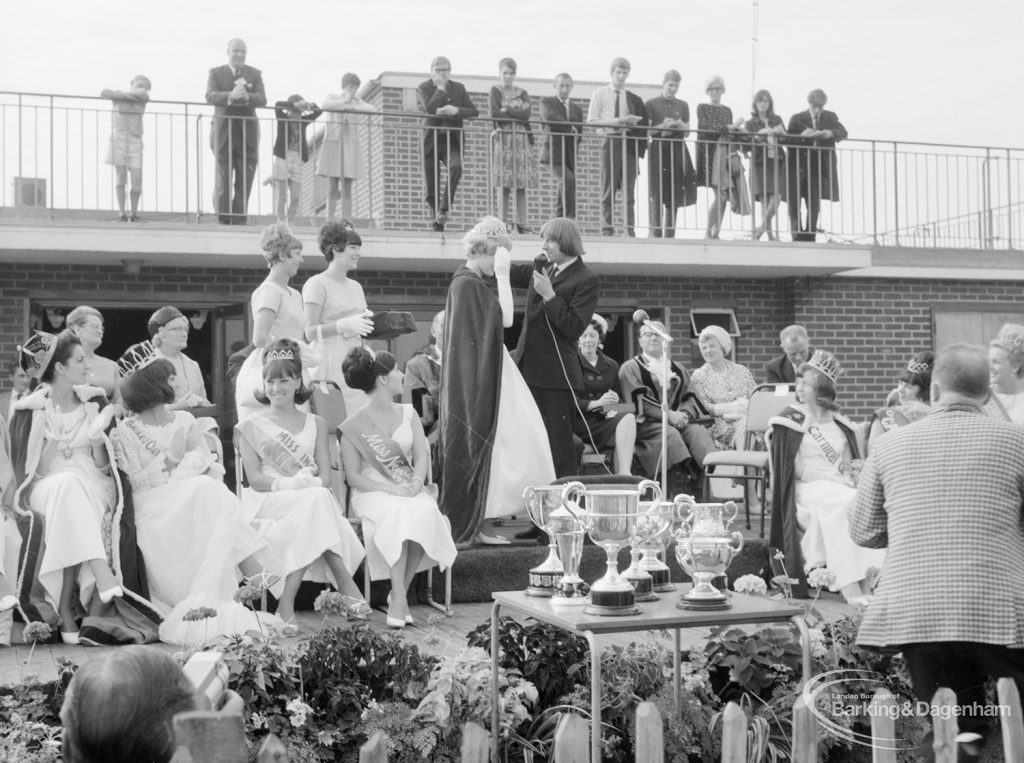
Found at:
<point>595,697</point>
<point>805,643</point>
<point>676,670</point>
<point>495,651</point>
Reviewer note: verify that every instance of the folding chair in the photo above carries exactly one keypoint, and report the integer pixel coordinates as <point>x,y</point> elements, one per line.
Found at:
<point>766,400</point>
<point>369,530</point>
<point>329,403</point>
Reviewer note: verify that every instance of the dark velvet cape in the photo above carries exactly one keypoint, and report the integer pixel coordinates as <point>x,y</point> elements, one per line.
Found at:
<point>470,386</point>
<point>787,431</point>
<point>129,620</point>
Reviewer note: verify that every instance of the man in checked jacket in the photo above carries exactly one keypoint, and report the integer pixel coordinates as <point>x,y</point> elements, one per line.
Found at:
<point>945,496</point>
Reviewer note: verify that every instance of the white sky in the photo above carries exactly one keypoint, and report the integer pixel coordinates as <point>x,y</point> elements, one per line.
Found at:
<point>926,70</point>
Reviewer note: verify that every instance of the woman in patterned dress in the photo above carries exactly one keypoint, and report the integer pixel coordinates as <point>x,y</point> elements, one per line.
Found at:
<point>723,387</point>
<point>512,163</point>
<point>767,159</point>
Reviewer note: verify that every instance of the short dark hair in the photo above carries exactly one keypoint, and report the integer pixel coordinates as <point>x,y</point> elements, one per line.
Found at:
<point>924,362</point>
<point>771,103</point>
<point>348,78</point>
<point>149,386</point>
<point>509,62</point>
<point>283,368</point>
<point>120,706</point>
<point>362,370</point>
<point>564,232</point>
<point>67,341</point>
<point>963,369</point>
<point>337,234</point>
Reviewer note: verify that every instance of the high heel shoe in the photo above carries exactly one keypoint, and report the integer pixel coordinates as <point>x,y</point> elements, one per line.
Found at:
<point>290,629</point>
<point>409,620</point>
<point>262,581</point>
<point>394,622</point>
<point>111,593</point>
<point>71,639</point>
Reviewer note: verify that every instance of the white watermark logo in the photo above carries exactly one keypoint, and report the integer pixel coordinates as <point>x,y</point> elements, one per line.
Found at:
<point>840,698</point>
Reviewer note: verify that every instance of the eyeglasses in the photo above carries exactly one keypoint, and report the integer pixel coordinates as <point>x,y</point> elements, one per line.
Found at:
<point>176,329</point>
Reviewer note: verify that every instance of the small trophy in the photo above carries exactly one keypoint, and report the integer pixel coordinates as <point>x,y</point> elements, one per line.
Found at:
<point>704,549</point>
<point>539,503</point>
<point>567,532</point>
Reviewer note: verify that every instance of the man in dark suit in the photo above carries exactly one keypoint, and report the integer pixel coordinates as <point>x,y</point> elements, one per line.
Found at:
<point>19,382</point>
<point>614,111</point>
<point>446,104</point>
<point>563,119</point>
<point>237,91</point>
<point>813,168</point>
<point>560,301</point>
<point>795,352</point>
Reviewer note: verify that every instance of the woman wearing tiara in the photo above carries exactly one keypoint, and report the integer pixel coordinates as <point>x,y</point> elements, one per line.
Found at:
<point>913,390</point>
<point>386,461</point>
<point>1006,373</point>
<point>814,482</point>
<point>190,527</point>
<point>285,452</point>
<point>276,313</point>
<point>493,438</point>
<point>62,464</point>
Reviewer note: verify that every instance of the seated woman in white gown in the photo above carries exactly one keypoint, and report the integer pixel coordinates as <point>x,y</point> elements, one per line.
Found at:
<point>386,460</point>
<point>191,529</point>
<point>285,451</point>
<point>814,485</point>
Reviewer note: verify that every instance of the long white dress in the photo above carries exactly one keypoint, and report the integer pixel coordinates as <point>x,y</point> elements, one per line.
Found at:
<point>300,525</point>
<point>823,505</point>
<point>289,323</point>
<point>73,496</point>
<point>191,530</point>
<point>336,300</point>
<point>394,519</point>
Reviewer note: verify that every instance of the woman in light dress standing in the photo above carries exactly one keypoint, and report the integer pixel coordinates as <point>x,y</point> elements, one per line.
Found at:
<point>341,155</point>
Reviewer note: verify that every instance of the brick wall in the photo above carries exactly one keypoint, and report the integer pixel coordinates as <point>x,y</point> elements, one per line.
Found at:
<point>873,325</point>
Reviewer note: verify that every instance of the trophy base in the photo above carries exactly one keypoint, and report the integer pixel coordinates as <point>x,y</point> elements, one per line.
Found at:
<point>593,609</point>
<point>644,588</point>
<point>543,583</point>
<point>664,588</point>
<point>612,602</point>
<point>561,600</point>
<point>661,578</point>
<point>702,605</point>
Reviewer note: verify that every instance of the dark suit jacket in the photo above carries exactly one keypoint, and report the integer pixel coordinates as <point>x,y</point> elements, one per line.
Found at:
<point>818,167</point>
<point>282,110</point>
<point>431,99</point>
<point>219,85</point>
<point>563,137</point>
<point>779,371</point>
<point>569,312</point>
<point>637,135</point>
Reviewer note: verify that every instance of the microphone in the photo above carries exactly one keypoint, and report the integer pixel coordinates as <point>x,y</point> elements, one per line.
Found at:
<point>540,262</point>
<point>640,317</point>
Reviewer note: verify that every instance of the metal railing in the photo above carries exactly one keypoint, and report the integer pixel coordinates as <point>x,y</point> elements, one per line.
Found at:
<point>890,193</point>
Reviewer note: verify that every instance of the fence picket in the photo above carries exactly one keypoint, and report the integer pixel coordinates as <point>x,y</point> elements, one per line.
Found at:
<point>375,750</point>
<point>650,740</point>
<point>476,744</point>
<point>734,734</point>
<point>945,726</point>
<point>805,742</point>
<point>572,740</point>
<point>1012,721</point>
<point>883,727</point>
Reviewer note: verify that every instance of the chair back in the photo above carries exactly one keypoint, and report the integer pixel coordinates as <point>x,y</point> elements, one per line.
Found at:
<point>767,400</point>
<point>328,402</point>
<point>240,480</point>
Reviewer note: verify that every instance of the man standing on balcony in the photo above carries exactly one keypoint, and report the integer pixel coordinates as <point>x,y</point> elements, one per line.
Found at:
<point>446,104</point>
<point>813,168</point>
<point>237,91</point>
<point>563,118</point>
<point>613,110</point>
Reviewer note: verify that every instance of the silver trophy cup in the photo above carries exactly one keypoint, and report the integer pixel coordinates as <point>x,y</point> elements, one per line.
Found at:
<point>540,502</point>
<point>704,549</point>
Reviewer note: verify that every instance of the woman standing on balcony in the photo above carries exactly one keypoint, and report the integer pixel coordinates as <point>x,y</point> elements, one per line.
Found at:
<point>512,163</point>
<point>1006,371</point>
<point>767,160</point>
<point>335,308</point>
<point>341,155</point>
<point>87,324</point>
<point>277,313</point>
<point>718,159</point>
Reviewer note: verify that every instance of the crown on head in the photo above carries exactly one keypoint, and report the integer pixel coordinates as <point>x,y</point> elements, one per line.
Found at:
<point>37,352</point>
<point>136,357</point>
<point>491,227</point>
<point>917,367</point>
<point>282,354</point>
<point>826,363</point>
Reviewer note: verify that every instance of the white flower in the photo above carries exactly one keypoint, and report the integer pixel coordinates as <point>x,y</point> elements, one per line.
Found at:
<point>298,711</point>
<point>258,721</point>
<point>821,577</point>
<point>751,584</point>
<point>818,646</point>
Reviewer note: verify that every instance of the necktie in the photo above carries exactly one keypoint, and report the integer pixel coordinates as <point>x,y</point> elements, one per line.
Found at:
<point>814,120</point>
<point>238,72</point>
<point>618,95</point>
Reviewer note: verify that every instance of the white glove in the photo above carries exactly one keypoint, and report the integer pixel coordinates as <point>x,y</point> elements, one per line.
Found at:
<point>101,422</point>
<point>309,355</point>
<point>502,266</point>
<point>354,325</point>
<point>302,478</point>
